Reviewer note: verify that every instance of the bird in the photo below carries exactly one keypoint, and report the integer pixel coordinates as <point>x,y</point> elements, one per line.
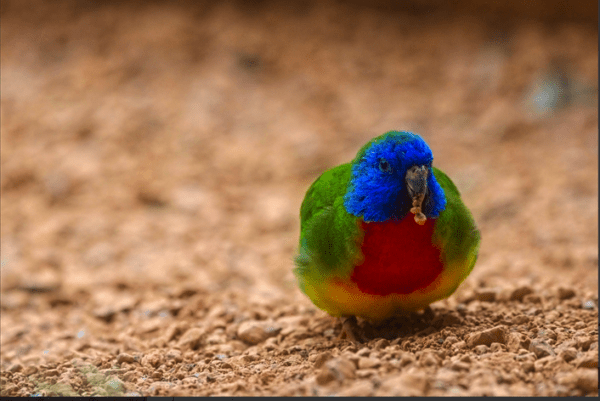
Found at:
<point>383,235</point>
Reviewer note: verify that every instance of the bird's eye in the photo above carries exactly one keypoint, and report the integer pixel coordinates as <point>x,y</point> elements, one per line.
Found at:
<point>384,166</point>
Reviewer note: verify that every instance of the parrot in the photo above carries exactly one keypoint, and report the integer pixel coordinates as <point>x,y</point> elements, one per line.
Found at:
<point>384,234</point>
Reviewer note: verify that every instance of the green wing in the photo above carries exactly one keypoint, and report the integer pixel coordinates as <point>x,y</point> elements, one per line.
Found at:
<point>455,231</point>
<point>329,236</point>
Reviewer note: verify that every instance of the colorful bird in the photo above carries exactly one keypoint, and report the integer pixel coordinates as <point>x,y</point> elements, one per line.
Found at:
<point>384,234</point>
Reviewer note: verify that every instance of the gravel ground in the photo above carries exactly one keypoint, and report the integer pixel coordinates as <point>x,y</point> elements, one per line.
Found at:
<point>153,161</point>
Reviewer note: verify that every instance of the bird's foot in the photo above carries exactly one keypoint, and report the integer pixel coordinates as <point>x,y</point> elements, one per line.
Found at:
<point>351,331</point>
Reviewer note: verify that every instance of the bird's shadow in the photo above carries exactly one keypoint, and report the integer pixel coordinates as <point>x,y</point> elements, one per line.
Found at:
<point>399,327</point>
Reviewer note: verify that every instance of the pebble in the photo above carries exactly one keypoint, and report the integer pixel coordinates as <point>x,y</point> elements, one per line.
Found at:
<point>584,342</point>
<point>459,366</point>
<point>528,366</point>
<point>154,359</point>
<point>29,370</point>
<point>174,355</point>
<point>588,305</point>
<point>588,360</point>
<point>321,359</point>
<point>481,349</point>
<point>568,354</point>
<point>587,380</point>
<point>368,363</point>
<point>361,388</point>
<point>450,340</point>
<point>514,342</point>
<point>191,339</point>
<point>487,337</point>
<point>429,358</point>
<point>17,367</point>
<point>336,369</point>
<point>565,293</point>
<point>497,347</point>
<point>521,319</point>
<point>255,332</point>
<point>520,292</point>
<point>451,319</point>
<point>412,383</point>
<point>125,358</point>
<point>541,348</point>
<point>532,299</point>
<point>485,295</point>
<point>584,379</point>
<point>407,359</point>
<point>459,345</point>
<point>381,344</point>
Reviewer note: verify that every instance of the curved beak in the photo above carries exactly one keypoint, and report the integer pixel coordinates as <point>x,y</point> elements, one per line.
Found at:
<point>416,183</point>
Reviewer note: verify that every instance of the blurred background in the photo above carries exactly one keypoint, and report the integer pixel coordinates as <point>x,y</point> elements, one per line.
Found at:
<point>153,151</point>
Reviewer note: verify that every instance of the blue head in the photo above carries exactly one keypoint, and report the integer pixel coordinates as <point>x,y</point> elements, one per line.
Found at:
<point>387,173</point>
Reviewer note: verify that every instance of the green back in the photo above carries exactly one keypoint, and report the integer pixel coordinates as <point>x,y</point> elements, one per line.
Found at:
<point>455,231</point>
<point>330,237</point>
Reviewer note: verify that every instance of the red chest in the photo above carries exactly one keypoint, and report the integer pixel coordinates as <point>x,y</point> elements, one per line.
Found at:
<point>399,257</point>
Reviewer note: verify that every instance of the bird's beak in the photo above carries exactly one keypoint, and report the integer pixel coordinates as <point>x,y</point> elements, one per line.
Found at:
<point>416,183</point>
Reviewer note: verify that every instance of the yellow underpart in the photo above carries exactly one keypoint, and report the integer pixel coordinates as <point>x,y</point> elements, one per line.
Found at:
<point>343,298</point>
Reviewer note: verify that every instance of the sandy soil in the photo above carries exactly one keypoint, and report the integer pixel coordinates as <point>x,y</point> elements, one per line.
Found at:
<point>153,162</point>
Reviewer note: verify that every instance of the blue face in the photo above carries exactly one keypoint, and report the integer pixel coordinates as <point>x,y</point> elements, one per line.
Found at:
<point>378,190</point>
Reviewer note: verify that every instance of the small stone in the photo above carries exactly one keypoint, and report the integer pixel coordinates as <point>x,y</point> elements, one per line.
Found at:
<point>588,360</point>
<point>481,349</point>
<point>174,355</point>
<point>584,342</point>
<point>407,359</point>
<point>129,376</point>
<point>588,305</point>
<point>361,388</point>
<point>381,344</point>
<point>459,366</point>
<point>520,292</point>
<point>191,339</point>
<point>459,345</point>
<point>29,370</point>
<point>368,363</point>
<point>413,383</point>
<point>568,354</point>
<point>125,358</point>
<point>451,319</point>
<point>321,359</point>
<point>430,359</point>
<point>528,366</point>
<point>532,299</point>
<point>255,332</point>
<point>51,373</point>
<point>17,367</point>
<point>154,359</point>
<point>540,363</point>
<point>336,369</point>
<point>450,340</point>
<point>565,293</point>
<point>496,347</point>
<point>587,380</point>
<point>485,295</point>
<point>541,348</point>
<point>514,342</point>
<point>521,319</point>
<point>487,337</point>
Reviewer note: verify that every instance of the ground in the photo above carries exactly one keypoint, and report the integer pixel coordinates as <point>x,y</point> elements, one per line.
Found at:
<point>155,155</point>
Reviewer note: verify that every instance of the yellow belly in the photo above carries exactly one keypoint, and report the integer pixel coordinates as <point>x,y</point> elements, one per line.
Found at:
<point>342,297</point>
